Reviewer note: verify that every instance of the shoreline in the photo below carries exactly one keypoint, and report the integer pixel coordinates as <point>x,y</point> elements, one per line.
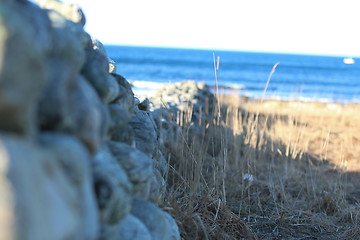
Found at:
<point>292,101</point>
<point>226,90</point>
<point>148,89</point>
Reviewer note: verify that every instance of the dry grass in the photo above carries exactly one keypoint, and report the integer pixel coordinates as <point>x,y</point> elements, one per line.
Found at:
<point>267,170</point>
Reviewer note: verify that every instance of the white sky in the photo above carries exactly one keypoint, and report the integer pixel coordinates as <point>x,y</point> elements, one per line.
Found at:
<point>296,26</point>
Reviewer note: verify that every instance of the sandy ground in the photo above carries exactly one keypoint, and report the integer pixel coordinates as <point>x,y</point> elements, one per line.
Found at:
<point>328,131</point>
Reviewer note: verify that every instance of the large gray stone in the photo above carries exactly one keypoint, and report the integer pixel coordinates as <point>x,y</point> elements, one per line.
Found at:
<point>124,135</point>
<point>160,225</point>
<point>68,40</point>
<point>118,117</point>
<point>130,228</point>
<point>181,95</point>
<point>54,106</point>
<point>8,225</point>
<point>98,46</point>
<point>64,62</point>
<point>157,187</point>
<point>42,198</point>
<point>73,107</point>
<point>174,229</point>
<point>75,29</point>
<point>87,119</point>
<point>144,104</point>
<point>112,187</point>
<point>96,70</point>
<point>126,96</point>
<point>170,133</point>
<point>144,130</point>
<point>71,12</point>
<point>75,162</point>
<point>137,165</point>
<point>114,89</point>
<point>24,43</point>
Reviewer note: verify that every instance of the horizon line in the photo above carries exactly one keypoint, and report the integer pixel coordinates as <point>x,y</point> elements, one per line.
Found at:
<point>235,50</point>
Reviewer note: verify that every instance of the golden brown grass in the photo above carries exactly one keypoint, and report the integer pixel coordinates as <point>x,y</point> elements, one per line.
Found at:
<point>267,170</point>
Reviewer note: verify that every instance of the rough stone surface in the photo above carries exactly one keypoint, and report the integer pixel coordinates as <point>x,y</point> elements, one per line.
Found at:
<point>76,165</point>
<point>99,47</point>
<point>157,187</point>
<point>112,66</point>
<point>71,11</point>
<point>118,117</point>
<point>124,135</point>
<point>54,106</point>
<point>174,229</point>
<point>145,135</point>
<point>183,103</point>
<point>130,228</point>
<point>144,105</point>
<point>168,130</point>
<point>114,93</point>
<point>127,99</point>
<point>96,71</point>
<point>112,187</point>
<point>74,35</point>
<point>87,118</point>
<point>178,97</point>
<point>157,222</point>
<point>24,31</point>
<point>137,165</point>
<point>58,191</point>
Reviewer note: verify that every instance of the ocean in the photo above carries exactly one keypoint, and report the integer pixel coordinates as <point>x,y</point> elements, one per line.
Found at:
<point>297,77</point>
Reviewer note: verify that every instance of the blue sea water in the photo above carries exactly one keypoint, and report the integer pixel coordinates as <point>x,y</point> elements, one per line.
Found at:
<point>303,77</point>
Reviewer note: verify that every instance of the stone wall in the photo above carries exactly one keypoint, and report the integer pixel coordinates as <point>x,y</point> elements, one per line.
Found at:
<point>79,155</point>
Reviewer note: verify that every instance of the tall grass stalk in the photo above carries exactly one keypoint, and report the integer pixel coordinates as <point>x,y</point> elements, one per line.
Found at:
<point>266,170</point>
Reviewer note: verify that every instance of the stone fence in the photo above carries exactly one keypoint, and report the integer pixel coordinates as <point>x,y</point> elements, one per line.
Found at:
<point>79,155</point>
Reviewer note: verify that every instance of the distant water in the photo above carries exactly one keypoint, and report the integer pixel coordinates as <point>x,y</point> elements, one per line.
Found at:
<point>303,77</point>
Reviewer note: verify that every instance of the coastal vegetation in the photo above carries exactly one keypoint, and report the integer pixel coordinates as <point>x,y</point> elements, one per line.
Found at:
<point>266,170</point>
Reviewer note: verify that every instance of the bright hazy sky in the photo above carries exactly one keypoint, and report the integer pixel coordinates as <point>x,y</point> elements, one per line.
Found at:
<point>296,26</point>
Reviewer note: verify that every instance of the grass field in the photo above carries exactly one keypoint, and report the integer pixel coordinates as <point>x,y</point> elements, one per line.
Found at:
<point>267,170</point>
